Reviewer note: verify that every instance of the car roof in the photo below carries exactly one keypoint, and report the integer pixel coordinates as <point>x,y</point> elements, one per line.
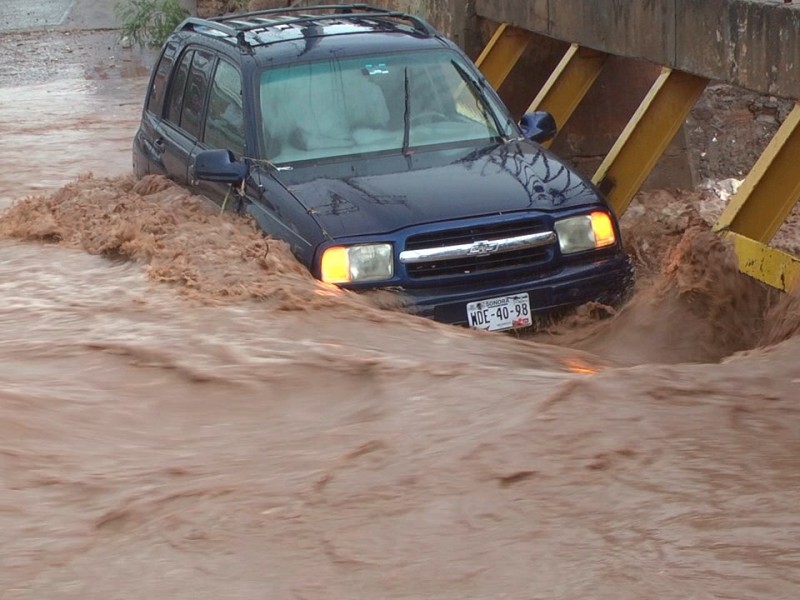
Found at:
<point>292,33</point>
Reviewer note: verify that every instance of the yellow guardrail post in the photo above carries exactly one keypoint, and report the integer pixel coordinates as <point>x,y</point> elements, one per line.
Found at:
<point>647,135</point>
<point>502,52</point>
<point>771,189</point>
<point>761,205</point>
<point>569,83</point>
<point>769,265</point>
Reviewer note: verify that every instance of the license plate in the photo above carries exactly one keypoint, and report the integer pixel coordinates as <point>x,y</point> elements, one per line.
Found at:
<point>498,314</point>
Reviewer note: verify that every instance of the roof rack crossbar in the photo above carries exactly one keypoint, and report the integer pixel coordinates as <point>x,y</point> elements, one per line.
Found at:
<point>343,11</point>
<point>193,22</point>
<point>419,26</point>
<point>296,9</point>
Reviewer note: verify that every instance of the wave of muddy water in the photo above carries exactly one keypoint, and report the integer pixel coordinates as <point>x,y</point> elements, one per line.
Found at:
<point>184,414</point>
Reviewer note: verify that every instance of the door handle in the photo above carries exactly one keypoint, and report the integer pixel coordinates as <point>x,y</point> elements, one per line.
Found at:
<point>191,174</point>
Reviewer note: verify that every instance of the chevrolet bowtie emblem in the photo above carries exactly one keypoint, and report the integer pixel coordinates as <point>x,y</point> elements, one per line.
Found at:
<point>483,248</point>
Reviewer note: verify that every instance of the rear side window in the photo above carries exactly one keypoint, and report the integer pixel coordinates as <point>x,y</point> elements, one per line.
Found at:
<point>158,88</point>
<point>194,97</point>
<point>177,88</point>
<point>225,121</point>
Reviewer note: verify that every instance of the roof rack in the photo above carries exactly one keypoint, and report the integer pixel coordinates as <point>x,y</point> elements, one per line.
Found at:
<point>233,26</point>
<point>192,22</point>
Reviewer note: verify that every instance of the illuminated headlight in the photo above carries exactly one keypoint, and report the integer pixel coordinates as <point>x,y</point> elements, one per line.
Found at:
<point>586,232</point>
<point>367,262</point>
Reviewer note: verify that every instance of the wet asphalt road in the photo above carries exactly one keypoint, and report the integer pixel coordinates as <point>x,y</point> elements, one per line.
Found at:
<point>26,15</point>
<point>21,15</point>
<point>32,14</point>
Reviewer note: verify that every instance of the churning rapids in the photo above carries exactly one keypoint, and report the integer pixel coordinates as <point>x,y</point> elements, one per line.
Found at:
<point>185,413</point>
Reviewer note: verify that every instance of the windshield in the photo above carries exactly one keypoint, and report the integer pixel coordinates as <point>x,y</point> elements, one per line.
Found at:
<point>391,103</point>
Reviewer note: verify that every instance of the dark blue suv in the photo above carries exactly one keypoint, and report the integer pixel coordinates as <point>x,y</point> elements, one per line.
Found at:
<point>377,151</point>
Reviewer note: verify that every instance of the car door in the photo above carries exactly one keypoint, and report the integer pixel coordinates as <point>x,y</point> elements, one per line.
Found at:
<point>179,131</point>
<point>223,126</point>
<point>147,157</point>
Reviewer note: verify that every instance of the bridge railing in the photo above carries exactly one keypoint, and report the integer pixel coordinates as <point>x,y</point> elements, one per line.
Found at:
<point>754,45</point>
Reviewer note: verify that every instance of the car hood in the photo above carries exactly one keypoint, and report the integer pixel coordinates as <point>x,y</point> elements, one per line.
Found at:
<point>382,195</point>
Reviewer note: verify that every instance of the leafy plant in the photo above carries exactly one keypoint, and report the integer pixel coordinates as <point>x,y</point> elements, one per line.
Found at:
<point>149,22</point>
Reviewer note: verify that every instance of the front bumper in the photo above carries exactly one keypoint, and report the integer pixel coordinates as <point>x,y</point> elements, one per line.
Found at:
<point>604,280</point>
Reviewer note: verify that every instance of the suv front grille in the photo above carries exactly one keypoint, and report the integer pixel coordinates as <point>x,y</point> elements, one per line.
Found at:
<point>466,235</point>
<point>480,264</point>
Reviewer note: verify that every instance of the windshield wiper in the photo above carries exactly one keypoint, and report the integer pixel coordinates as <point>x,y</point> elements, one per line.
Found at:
<point>407,114</point>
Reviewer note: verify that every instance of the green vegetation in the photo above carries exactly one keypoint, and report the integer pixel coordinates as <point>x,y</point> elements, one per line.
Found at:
<point>149,22</point>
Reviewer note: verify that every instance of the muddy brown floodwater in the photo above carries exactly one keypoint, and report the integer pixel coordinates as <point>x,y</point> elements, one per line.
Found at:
<point>184,413</point>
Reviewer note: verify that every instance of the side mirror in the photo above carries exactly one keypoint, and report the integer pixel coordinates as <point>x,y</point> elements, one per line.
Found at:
<point>539,126</point>
<point>219,165</point>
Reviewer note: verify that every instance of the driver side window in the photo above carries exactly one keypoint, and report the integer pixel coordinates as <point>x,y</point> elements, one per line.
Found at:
<point>224,127</point>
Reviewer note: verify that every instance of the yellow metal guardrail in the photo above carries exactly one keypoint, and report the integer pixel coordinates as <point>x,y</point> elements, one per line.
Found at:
<point>754,214</point>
